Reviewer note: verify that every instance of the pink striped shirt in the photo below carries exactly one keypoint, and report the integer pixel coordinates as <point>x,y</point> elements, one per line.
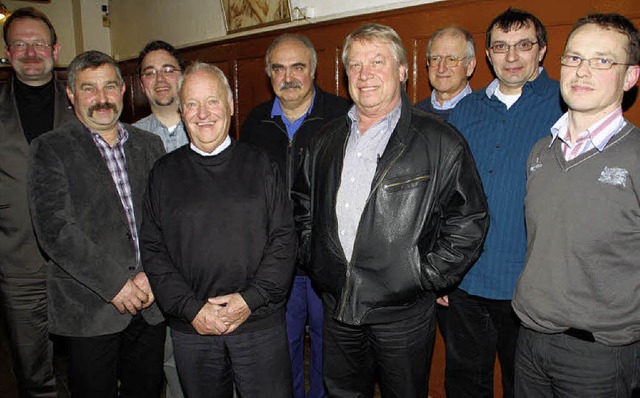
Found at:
<point>597,135</point>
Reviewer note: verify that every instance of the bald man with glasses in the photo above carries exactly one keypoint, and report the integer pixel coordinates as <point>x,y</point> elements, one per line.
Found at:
<point>451,60</point>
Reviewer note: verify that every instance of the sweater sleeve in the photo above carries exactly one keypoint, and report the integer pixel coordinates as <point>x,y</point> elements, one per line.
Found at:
<point>173,293</point>
<point>273,278</point>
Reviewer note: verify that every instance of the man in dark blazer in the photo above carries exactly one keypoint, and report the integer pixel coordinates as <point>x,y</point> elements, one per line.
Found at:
<point>86,183</point>
<point>32,102</point>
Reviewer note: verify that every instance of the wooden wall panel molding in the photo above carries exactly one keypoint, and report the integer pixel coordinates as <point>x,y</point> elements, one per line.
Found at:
<point>243,58</point>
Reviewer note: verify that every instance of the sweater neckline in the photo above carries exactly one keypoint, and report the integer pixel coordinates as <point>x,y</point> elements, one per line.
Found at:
<point>214,160</point>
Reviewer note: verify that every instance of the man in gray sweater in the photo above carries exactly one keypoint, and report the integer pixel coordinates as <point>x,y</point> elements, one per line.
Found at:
<point>578,294</point>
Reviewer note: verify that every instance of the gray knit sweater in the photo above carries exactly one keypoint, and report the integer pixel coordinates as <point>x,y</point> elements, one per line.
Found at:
<point>583,241</point>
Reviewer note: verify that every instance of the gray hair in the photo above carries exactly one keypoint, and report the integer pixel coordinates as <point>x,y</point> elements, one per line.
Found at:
<point>455,31</point>
<point>202,66</point>
<point>89,60</point>
<point>374,31</point>
<point>302,39</point>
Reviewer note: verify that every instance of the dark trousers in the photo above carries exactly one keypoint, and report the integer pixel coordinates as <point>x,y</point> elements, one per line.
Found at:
<point>24,303</point>
<point>304,306</point>
<point>478,328</point>
<point>562,366</point>
<point>132,358</point>
<point>258,362</point>
<point>398,353</point>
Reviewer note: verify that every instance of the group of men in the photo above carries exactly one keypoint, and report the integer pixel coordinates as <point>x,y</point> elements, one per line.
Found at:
<point>352,219</point>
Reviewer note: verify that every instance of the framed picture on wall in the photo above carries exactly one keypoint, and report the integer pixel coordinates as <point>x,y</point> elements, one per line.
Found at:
<point>249,14</point>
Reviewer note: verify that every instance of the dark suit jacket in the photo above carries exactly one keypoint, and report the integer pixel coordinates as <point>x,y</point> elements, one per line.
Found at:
<point>81,225</point>
<point>19,253</point>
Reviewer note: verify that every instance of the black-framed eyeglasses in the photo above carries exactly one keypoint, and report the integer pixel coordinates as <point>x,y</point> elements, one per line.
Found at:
<point>501,47</point>
<point>37,46</point>
<point>449,60</point>
<point>165,71</point>
<point>602,63</point>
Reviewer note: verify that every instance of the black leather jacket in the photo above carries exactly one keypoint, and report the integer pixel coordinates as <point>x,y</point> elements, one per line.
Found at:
<point>421,229</point>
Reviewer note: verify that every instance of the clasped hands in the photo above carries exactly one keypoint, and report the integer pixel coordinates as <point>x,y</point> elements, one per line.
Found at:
<point>135,295</point>
<point>221,315</point>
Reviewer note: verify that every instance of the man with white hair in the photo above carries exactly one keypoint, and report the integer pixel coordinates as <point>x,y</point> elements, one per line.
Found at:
<point>451,60</point>
<point>218,244</point>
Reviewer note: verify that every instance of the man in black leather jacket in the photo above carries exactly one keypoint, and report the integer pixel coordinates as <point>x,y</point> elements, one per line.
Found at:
<point>389,209</point>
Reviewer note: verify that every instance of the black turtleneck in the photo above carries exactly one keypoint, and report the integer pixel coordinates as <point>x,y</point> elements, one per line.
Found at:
<point>35,106</point>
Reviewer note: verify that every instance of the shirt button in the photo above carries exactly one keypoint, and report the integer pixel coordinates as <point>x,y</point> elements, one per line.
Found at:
<point>346,205</point>
<point>359,154</point>
<point>353,179</point>
<point>342,232</point>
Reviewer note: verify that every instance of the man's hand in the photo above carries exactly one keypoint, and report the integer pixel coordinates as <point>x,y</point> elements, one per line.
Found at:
<point>142,282</point>
<point>130,298</point>
<point>234,312</point>
<point>443,301</point>
<point>207,321</point>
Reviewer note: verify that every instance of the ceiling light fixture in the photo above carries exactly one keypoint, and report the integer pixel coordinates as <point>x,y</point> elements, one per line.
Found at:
<point>4,12</point>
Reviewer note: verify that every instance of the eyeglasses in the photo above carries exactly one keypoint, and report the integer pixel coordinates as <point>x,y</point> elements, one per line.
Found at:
<point>37,46</point>
<point>449,60</point>
<point>573,61</point>
<point>501,47</point>
<point>164,71</point>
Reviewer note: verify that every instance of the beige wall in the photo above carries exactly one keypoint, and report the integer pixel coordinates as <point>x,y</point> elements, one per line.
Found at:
<point>188,22</point>
<point>183,23</point>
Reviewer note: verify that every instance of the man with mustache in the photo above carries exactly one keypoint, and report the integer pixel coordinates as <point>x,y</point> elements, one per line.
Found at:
<point>578,294</point>
<point>501,123</point>
<point>32,102</point>
<point>284,126</point>
<point>160,66</point>
<point>86,183</point>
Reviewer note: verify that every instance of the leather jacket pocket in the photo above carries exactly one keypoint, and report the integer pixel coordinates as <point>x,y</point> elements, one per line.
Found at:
<point>406,183</point>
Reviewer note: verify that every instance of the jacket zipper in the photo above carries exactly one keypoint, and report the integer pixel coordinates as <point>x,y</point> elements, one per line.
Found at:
<point>395,184</point>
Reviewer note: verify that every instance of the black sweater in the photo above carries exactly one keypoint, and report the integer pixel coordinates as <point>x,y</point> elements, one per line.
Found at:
<point>218,225</point>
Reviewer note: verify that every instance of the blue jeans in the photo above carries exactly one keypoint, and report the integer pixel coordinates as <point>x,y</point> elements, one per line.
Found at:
<point>558,365</point>
<point>305,305</point>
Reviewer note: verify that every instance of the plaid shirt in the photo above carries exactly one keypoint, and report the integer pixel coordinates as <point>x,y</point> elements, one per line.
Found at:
<point>117,164</point>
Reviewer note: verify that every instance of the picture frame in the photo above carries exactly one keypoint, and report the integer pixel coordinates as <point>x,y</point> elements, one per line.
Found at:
<point>243,15</point>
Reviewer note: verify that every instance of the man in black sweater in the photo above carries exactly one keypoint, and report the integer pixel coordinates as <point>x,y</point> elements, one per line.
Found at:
<point>219,247</point>
<point>283,127</point>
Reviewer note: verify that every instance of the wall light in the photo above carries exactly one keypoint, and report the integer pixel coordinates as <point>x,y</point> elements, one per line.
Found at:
<point>4,12</point>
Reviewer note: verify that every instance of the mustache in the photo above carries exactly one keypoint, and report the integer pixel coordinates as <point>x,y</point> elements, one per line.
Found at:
<point>293,84</point>
<point>102,106</point>
<point>31,59</point>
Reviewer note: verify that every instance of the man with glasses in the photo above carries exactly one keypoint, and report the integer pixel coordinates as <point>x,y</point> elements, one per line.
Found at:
<point>32,102</point>
<point>159,67</point>
<point>578,294</point>
<point>501,124</point>
<point>451,60</point>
